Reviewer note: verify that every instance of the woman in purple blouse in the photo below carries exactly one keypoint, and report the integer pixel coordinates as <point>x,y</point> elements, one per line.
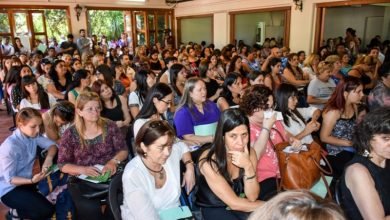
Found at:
<point>91,141</point>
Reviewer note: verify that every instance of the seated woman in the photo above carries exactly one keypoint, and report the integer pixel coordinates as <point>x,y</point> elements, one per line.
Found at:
<point>339,121</point>
<point>212,86</point>
<point>322,87</point>
<point>336,75</point>
<point>158,100</point>
<point>105,73</point>
<point>310,66</point>
<point>196,117</point>
<point>231,92</point>
<point>293,74</point>
<point>58,119</point>
<point>274,66</point>
<point>81,81</point>
<point>365,184</point>
<point>17,155</point>
<point>294,119</point>
<point>260,78</point>
<point>61,79</point>
<point>265,132</point>
<point>34,96</point>
<point>227,186</point>
<point>298,204</point>
<point>151,181</point>
<point>366,68</point>
<point>178,77</point>
<point>114,106</point>
<point>44,78</point>
<point>92,140</point>
<point>144,79</point>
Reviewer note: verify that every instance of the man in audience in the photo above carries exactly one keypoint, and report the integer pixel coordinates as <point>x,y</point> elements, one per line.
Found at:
<point>68,46</point>
<point>6,48</point>
<point>83,43</point>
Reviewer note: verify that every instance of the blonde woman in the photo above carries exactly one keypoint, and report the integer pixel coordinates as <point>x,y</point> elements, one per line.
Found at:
<point>92,140</point>
<point>294,204</point>
<point>310,65</point>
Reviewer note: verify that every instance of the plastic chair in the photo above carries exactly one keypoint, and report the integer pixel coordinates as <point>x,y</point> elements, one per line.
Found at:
<point>115,196</point>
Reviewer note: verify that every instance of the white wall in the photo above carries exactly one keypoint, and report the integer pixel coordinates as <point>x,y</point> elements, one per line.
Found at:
<point>302,23</point>
<point>197,30</point>
<point>338,19</point>
<point>246,25</point>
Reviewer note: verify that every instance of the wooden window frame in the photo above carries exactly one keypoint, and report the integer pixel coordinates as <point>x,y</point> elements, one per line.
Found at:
<point>321,12</point>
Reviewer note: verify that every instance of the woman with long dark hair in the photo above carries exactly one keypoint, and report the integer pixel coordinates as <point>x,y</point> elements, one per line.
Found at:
<point>81,81</point>
<point>178,77</point>
<point>144,79</point>
<point>227,170</point>
<point>231,91</point>
<point>34,96</point>
<point>293,74</point>
<point>295,119</point>
<point>61,79</point>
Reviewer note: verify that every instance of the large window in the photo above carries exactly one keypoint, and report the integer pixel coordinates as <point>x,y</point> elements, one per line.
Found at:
<point>143,26</point>
<point>34,24</point>
<point>195,29</point>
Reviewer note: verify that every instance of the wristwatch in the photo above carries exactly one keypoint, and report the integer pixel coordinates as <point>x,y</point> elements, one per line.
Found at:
<point>116,161</point>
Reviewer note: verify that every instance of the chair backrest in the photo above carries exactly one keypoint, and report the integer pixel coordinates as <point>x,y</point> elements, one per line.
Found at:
<point>337,192</point>
<point>115,195</point>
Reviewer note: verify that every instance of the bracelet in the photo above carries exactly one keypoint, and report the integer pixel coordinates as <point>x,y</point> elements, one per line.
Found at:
<point>188,162</point>
<point>251,177</point>
<point>116,161</point>
<point>266,129</point>
<point>31,181</point>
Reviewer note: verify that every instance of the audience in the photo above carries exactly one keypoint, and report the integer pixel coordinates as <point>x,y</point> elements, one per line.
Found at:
<point>192,106</point>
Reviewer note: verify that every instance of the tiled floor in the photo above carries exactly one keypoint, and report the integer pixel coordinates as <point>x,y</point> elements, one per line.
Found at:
<point>5,123</point>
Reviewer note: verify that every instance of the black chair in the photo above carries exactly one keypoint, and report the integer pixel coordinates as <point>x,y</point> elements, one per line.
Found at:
<point>337,193</point>
<point>115,196</point>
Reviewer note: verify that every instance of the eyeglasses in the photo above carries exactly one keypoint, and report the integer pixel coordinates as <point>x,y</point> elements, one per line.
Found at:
<point>93,109</point>
<point>166,102</point>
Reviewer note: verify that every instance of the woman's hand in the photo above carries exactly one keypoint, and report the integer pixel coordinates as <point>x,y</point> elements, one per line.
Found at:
<point>119,124</point>
<point>38,177</point>
<point>90,171</point>
<point>189,179</point>
<point>269,122</point>
<point>241,159</point>
<point>45,166</point>
<point>312,126</point>
<point>295,143</point>
<point>110,166</point>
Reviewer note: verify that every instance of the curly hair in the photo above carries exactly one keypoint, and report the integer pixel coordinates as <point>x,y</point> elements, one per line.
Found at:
<point>255,97</point>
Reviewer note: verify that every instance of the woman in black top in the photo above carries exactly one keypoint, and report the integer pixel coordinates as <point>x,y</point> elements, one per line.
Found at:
<point>212,86</point>
<point>227,185</point>
<point>231,91</point>
<point>365,185</point>
<point>114,106</point>
<point>61,79</point>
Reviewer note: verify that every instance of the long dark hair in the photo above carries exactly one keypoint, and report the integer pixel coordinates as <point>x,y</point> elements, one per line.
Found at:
<point>158,91</point>
<point>174,71</point>
<point>12,77</point>
<point>283,93</point>
<point>142,85</point>
<point>108,74</point>
<point>230,79</point>
<point>217,156</point>
<point>43,98</point>
<point>289,67</point>
<point>78,76</point>
<point>54,75</point>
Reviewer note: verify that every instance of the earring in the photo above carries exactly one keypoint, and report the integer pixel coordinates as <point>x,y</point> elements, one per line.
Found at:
<point>366,153</point>
<point>145,155</point>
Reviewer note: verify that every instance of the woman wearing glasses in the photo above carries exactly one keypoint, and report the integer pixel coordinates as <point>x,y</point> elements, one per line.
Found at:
<point>90,141</point>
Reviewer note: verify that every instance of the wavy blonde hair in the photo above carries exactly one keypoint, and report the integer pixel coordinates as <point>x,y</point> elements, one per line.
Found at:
<point>308,62</point>
<point>82,99</point>
<point>297,205</point>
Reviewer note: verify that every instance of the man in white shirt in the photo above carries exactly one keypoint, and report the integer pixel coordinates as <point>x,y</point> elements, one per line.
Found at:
<point>6,48</point>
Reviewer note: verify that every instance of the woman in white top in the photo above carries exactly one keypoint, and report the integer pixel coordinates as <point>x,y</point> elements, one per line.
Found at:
<point>145,80</point>
<point>151,181</point>
<point>294,119</point>
<point>310,65</point>
<point>34,96</point>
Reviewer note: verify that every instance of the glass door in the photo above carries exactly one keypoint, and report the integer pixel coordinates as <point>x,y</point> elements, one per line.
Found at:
<point>38,31</point>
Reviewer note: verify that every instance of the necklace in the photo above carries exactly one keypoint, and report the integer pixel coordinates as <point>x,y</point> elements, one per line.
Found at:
<point>160,172</point>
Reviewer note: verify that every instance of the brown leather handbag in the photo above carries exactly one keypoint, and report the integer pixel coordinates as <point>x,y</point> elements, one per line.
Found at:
<point>300,170</point>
